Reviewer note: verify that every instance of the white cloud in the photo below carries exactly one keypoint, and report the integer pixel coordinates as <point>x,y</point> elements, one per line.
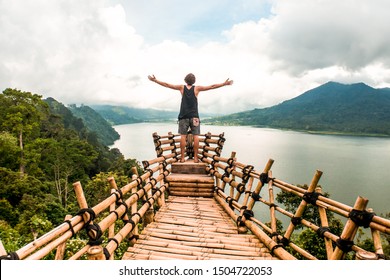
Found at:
<point>88,52</point>
<point>318,34</point>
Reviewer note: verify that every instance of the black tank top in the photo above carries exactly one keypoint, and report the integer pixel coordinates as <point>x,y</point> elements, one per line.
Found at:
<point>189,104</point>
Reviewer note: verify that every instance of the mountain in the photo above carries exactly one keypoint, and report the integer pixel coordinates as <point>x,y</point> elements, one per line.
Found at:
<point>116,115</point>
<point>82,119</point>
<point>106,134</point>
<point>332,107</point>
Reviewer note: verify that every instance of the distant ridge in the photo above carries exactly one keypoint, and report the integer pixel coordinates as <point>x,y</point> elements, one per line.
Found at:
<point>330,108</point>
<point>117,115</point>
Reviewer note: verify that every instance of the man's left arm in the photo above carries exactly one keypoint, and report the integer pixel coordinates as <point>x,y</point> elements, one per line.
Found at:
<point>214,86</point>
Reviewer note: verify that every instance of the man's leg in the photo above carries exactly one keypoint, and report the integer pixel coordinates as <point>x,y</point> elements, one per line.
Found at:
<point>196,147</point>
<point>183,128</point>
<point>183,142</point>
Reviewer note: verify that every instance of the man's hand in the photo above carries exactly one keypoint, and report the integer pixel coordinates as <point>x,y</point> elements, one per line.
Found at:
<point>228,82</point>
<point>152,78</point>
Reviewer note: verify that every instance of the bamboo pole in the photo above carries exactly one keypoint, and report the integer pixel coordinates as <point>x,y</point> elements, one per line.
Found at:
<point>80,253</point>
<point>350,228</point>
<point>272,208</point>
<point>305,223</point>
<point>149,215</point>
<point>96,253</point>
<point>133,208</point>
<point>302,206</point>
<point>83,205</point>
<point>161,198</point>
<point>377,240</point>
<point>216,244</point>
<point>377,223</point>
<point>243,229</point>
<point>278,251</point>
<point>61,248</point>
<point>111,246</point>
<point>111,218</point>
<point>49,236</point>
<point>293,246</point>
<point>37,255</point>
<point>325,224</point>
<point>111,229</point>
<point>259,186</point>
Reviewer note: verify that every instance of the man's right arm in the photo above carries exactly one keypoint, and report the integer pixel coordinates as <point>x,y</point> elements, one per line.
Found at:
<point>164,84</point>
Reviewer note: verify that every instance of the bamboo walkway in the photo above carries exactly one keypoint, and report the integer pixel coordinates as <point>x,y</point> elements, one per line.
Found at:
<point>192,225</point>
<point>195,228</point>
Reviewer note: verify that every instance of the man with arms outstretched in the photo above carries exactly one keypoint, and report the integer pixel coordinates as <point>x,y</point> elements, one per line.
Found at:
<point>189,116</point>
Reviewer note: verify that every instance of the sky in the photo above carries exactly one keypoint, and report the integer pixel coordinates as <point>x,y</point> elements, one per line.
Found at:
<point>101,51</point>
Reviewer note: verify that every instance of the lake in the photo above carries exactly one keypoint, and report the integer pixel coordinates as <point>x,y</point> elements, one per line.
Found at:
<point>351,165</point>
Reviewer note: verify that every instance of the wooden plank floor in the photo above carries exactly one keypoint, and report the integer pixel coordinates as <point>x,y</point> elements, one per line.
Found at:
<point>194,228</point>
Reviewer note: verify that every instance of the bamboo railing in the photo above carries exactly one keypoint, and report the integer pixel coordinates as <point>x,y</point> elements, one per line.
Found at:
<point>239,189</point>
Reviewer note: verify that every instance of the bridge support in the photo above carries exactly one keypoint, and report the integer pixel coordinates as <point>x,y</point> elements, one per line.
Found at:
<point>96,253</point>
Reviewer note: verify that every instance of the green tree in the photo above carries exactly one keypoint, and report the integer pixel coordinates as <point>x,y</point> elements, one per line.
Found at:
<point>62,162</point>
<point>9,151</point>
<point>21,114</point>
<point>10,237</point>
<point>99,188</point>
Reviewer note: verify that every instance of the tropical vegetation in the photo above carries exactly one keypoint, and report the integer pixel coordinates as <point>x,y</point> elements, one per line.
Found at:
<point>44,149</point>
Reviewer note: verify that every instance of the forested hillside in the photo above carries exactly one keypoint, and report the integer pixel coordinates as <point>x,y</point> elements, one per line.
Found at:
<point>332,107</point>
<point>44,149</point>
<point>96,123</point>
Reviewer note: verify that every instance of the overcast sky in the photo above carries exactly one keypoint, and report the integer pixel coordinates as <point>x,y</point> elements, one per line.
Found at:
<point>101,51</point>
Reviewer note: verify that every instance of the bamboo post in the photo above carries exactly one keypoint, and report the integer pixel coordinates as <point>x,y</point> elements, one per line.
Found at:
<point>272,208</point>
<point>149,215</point>
<point>377,240</point>
<point>325,224</point>
<point>157,144</point>
<point>233,156</point>
<point>259,186</point>
<point>161,198</point>
<point>174,150</point>
<point>301,208</point>
<point>350,228</point>
<point>96,253</point>
<point>133,209</point>
<point>111,229</point>
<point>244,229</point>
<point>83,204</point>
<point>61,248</point>
<point>114,187</point>
<point>222,184</point>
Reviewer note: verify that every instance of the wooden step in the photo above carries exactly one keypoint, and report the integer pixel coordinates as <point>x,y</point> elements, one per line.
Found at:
<point>189,167</point>
<point>193,185</point>
<point>190,178</point>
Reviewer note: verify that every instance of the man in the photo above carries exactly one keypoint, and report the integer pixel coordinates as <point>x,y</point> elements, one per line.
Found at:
<point>189,116</point>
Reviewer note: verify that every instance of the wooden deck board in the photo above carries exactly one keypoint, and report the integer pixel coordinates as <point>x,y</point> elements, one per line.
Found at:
<point>194,228</point>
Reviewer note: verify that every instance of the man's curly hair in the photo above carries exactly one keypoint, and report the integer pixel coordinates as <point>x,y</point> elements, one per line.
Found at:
<point>190,79</point>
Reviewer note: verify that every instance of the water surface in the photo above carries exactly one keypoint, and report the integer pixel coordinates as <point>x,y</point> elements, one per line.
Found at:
<point>351,165</point>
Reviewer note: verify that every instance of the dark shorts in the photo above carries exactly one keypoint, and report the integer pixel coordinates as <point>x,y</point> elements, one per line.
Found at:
<point>193,124</point>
